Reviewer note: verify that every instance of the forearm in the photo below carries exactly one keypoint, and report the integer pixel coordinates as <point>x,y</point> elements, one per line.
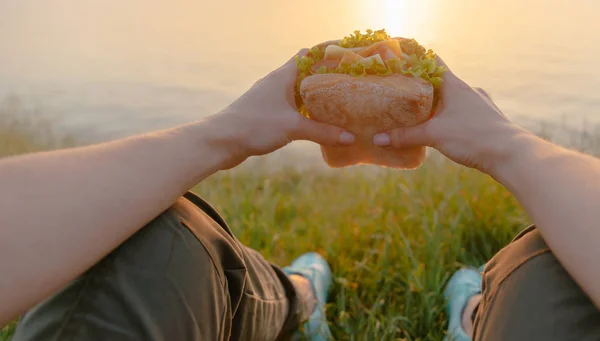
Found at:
<point>560,190</point>
<point>62,211</point>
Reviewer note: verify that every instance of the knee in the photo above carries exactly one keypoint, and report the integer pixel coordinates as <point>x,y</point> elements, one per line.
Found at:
<point>528,295</point>
<point>527,245</point>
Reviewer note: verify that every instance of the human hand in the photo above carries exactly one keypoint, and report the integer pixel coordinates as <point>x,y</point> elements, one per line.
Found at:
<point>467,127</point>
<point>266,117</point>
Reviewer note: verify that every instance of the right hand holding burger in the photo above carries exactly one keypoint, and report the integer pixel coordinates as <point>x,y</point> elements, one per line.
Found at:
<point>396,98</point>
<point>467,127</point>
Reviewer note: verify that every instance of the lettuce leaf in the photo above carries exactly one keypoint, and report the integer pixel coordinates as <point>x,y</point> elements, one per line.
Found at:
<point>358,39</point>
<point>360,68</point>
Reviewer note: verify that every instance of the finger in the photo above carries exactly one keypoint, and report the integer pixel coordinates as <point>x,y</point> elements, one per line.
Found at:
<point>321,133</point>
<point>287,73</point>
<point>482,92</point>
<point>330,42</point>
<point>404,137</point>
<point>448,74</point>
<point>487,97</point>
<point>446,78</point>
<point>441,62</point>
<point>451,83</point>
<point>292,61</point>
<point>290,67</point>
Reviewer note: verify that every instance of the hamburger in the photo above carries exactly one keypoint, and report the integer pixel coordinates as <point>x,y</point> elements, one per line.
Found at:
<point>366,84</point>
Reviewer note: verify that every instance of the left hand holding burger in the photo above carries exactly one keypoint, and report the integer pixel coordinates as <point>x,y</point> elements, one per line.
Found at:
<point>267,118</point>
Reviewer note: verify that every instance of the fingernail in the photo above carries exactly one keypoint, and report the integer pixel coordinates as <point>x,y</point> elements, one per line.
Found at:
<point>346,138</point>
<point>382,140</point>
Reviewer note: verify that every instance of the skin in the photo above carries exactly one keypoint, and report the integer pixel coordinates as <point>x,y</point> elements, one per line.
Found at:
<point>63,238</point>
<point>48,238</point>
<point>467,322</point>
<point>558,188</point>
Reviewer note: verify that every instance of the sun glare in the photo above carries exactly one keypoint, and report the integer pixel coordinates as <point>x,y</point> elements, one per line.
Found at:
<point>396,17</point>
<point>409,18</point>
<point>401,18</point>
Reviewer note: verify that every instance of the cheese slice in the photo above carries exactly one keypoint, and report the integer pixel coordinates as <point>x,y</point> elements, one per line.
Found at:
<point>334,52</point>
<point>367,61</point>
<point>388,49</point>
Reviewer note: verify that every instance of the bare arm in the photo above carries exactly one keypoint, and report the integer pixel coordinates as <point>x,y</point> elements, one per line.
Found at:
<point>558,188</point>
<point>62,211</point>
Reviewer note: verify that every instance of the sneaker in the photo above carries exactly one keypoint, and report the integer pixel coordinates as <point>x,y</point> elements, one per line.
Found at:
<point>464,284</point>
<point>314,268</point>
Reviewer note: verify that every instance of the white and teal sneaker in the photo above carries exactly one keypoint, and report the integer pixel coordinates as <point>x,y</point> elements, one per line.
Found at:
<point>464,284</point>
<point>314,268</point>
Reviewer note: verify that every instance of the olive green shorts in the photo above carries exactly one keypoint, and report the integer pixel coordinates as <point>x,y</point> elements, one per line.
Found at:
<point>184,277</point>
<point>527,295</point>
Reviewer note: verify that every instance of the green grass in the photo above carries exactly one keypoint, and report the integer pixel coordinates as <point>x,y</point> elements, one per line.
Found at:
<point>7,331</point>
<point>393,238</point>
<point>23,130</point>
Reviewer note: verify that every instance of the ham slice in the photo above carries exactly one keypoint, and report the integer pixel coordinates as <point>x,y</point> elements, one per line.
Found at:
<point>380,51</point>
<point>388,49</point>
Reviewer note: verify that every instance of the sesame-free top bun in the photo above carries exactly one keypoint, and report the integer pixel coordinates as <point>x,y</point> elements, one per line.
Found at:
<point>365,106</point>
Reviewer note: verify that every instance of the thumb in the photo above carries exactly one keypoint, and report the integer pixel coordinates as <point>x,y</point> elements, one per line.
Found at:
<point>404,137</point>
<point>321,133</point>
<point>287,72</point>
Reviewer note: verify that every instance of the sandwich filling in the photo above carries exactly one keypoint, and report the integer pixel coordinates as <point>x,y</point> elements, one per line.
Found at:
<point>373,53</point>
